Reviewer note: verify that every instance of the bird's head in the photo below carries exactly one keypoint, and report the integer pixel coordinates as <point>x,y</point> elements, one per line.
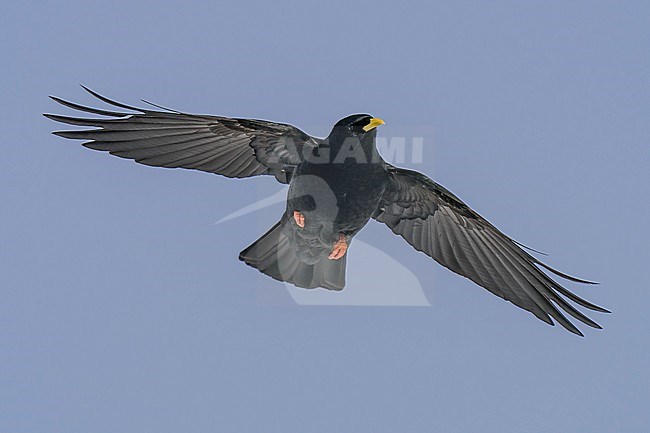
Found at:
<point>357,125</point>
<point>354,137</point>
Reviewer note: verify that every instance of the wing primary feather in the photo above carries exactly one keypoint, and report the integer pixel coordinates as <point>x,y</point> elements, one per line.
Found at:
<point>89,109</point>
<point>575,298</point>
<point>538,286</point>
<point>126,135</point>
<point>78,121</point>
<point>548,290</point>
<point>528,248</point>
<point>544,307</point>
<point>126,123</point>
<point>539,262</point>
<point>536,294</point>
<point>161,107</point>
<point>111,102</point>
<point>562,274</point>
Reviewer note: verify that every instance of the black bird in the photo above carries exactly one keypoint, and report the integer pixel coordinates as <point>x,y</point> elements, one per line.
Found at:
<point>336,185</point>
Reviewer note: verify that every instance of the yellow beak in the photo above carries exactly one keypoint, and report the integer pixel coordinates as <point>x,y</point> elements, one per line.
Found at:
<point>374,122</point>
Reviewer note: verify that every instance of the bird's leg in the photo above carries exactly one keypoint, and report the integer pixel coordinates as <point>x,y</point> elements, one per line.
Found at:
<point>299,219</point>
<point>340,247</point>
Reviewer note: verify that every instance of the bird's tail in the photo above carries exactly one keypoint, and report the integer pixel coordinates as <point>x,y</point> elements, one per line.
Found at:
<point>274,254</point>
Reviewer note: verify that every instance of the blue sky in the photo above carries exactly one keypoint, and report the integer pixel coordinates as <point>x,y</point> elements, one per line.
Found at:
<point>124,307</point>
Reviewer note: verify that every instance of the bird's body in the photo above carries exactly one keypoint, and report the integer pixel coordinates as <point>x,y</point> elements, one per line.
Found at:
<point>336,185</point>
<point>348,193</point>
<point>336,191</point>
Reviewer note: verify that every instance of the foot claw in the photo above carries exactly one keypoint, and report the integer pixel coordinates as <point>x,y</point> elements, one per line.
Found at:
<point>299,219</point>
<point>340,247</point>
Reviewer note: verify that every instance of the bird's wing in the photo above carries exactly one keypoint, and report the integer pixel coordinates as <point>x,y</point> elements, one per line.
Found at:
<point>439,224</point>
<point>227,146</point>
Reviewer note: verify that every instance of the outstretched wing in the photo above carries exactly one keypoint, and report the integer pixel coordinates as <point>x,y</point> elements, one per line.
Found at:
<point>227,146</point>
<point>437,223</point>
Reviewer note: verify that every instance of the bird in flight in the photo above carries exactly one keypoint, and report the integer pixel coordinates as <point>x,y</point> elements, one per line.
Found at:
<point>336,186</point>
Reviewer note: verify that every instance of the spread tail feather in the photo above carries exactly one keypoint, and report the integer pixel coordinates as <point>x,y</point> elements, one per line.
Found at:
<point>273,255</point>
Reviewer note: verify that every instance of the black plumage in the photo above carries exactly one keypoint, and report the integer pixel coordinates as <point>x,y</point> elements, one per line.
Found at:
<point>336,185</point>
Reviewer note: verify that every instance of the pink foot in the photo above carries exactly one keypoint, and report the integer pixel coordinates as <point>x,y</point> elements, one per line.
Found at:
<point>299,219</point>
<point>340,247</point>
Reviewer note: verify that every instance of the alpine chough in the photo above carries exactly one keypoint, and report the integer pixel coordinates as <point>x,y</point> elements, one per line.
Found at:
<point>336,185</point>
